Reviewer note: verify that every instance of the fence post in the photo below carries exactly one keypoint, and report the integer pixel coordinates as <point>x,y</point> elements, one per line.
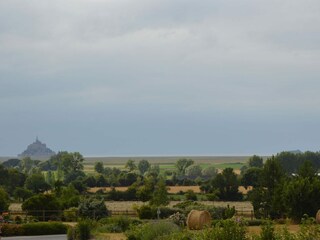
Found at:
<point>43,216</point>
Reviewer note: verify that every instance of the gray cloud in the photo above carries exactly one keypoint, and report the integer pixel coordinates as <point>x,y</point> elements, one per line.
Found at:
<point>169,70</point>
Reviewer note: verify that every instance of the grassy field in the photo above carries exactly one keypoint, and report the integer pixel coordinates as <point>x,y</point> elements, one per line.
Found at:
<point>252,230</point>
<point>168,163</point>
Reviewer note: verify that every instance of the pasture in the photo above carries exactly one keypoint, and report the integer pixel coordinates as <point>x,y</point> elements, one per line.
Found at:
<point>167,163</point>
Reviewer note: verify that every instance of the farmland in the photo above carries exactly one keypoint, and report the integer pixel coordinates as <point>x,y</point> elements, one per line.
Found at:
<point>168,163</point>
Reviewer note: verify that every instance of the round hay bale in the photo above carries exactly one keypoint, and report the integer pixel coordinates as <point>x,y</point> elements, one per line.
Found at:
<point>197,220</point>
<point>318,217</point>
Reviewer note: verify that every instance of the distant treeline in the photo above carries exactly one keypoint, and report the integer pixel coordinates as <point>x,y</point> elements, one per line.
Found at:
<point>291,161</point>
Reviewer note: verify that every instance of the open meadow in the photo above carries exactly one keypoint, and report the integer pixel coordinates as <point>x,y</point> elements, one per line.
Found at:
<point>168,162</point>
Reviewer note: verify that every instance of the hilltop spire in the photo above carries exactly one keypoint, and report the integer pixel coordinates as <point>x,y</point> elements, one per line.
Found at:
<point>37,149</point>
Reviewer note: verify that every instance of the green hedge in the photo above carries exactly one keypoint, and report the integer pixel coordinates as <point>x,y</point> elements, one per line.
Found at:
<point>30,229</point>
<point>150,212</point>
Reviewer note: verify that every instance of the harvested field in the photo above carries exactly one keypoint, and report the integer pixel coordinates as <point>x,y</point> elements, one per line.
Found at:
<point>171,189</point>
<point>111,236</point>
<point>128,205</point>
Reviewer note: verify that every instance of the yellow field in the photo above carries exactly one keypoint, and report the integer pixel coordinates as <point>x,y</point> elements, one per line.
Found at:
<point>128,205</point>
<point>171,189</point>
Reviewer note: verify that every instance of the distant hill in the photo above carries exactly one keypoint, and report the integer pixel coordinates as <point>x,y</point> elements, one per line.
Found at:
<point>37,149</point>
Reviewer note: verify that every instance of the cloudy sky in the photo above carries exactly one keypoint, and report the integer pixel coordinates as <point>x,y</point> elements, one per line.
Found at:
<point>151,77</point>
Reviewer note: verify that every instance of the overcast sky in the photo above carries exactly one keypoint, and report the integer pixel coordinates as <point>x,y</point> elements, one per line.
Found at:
<point>169,77</point>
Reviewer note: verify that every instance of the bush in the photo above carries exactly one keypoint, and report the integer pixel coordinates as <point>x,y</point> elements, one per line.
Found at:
<point>71,214</point>
<point>44,228</point>
<point>93,208</point>
<point>116,224</point>
<point>4,200</point>
<point>12,230</point>
<point>145,212</point>
<point>82,231</point>
<point>190,195</point>
<point>151,231</point>
<point>215,212</point>
<point>255,222</point>
<point>41,202</point>
<point>150,212</point>
<point>223,230</point>
<point>178,218</point>
<point>33,229</point>
<point>18,219</point>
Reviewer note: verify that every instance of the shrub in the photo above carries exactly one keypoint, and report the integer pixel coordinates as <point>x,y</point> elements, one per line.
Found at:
<point>190,195</point>
<point>145,212</point>
<point>224,230</point>
<point>41,202</point>
<point>254,222</point>
<point>151,231</point>
<point>178,218</point>
<point>150,212</point>
<point>215,212</point>
<point>93,208</point>
<point>44,228</point>
<point>33,229</point>
<point>188,204</point>
<point>12,230</point>
<point>83,230</point>
<point>116,224</point>
<point>4,199</point>
<point>71,214</point>
<point>18,219</point>
<point>267,231</point>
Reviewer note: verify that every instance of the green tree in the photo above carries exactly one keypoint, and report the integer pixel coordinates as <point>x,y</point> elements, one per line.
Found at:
<point>302,197</point>
<point>36,183</point>
<point>289,161</point>
<point>4,200</point>
<point>267,200</point>
<point>68,197</point>
<point>22,194</point>
<point>160,194</point>
<point>68,162</point>
<point>227,184</point>
<point>14,179</point>
<point>182,165</point>
<point>144,192</point>
<point>50,178</point>
<point>154,171</point>
<point>193,171</point>
<point>209,172</point>
<point>93,208</point>
<point>191,195</point>
<point>272,174</point>
<point>38,203</point>
<point>255,161</point>
<point>131,165</point>
<point>307,170</point>
<point>252,177</point>
<point>143,166</point>
<point>98,167</point>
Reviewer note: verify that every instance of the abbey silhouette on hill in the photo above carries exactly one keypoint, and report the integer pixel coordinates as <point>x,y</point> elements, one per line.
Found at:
<point>37,149</point>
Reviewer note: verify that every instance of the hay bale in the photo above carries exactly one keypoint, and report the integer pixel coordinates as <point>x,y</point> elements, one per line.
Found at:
<point>318,217</point>
<point>197,220</point>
